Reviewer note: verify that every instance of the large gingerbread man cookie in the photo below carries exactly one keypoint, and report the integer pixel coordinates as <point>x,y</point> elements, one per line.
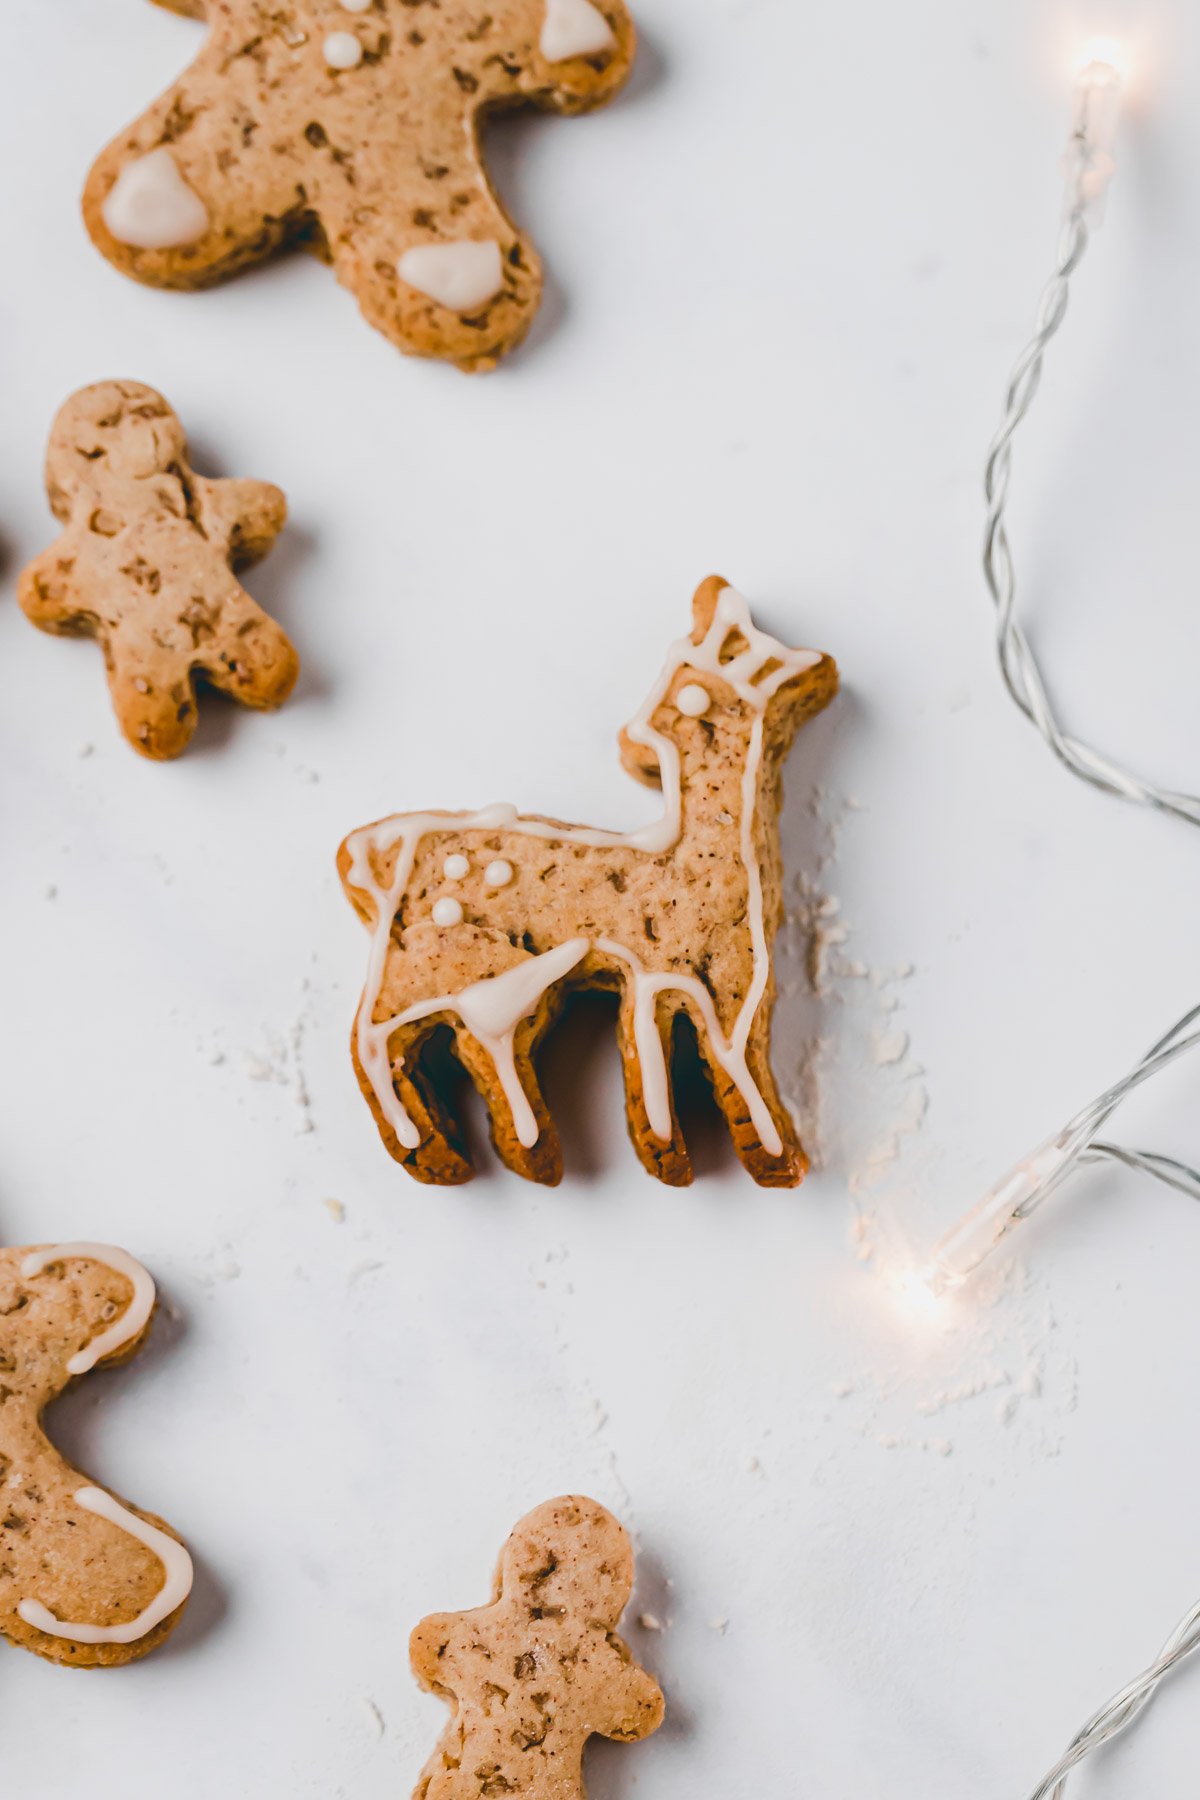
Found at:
<point>480,922</point>
<point>352,127</point>
<point>84,1578</point>
<point>146,561</point>
<point>532,1676</point>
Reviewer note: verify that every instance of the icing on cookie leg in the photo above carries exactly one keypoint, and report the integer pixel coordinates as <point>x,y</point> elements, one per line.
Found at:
<point>678,915</point>
<point>355,131</point>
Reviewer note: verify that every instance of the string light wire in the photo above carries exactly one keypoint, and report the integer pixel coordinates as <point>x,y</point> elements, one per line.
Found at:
<point>1090,167</point>
<point>1121,1711</point>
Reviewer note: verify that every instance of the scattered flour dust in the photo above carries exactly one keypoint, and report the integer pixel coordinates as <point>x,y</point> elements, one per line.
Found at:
<point>277,1059</point>
<point>967,1366</point>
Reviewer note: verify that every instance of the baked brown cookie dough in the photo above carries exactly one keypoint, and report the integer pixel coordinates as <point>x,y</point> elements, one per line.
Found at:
<point>532,1676</point>
<point>145,564</point>
<point>481,922</point>
<point>352,127</point>
<point>84,1578</point>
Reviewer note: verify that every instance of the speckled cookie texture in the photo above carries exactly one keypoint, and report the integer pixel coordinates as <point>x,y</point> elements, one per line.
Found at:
<point>532,1676</point>
<point>481,922</point>
<point>353,129</point>
<point>146,565</point>
<point>84,1578</point>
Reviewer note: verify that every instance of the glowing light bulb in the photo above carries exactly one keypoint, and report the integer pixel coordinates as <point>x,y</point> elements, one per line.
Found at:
<point>1002,1208</point>
<point>1091,152</point>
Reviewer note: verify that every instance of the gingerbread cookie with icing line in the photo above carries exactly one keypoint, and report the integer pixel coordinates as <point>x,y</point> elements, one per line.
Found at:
<point>481,922</point>
<point>146,564</point>
<point>84,1579</point>
<point>532,1676</point>
<point>353,129</point>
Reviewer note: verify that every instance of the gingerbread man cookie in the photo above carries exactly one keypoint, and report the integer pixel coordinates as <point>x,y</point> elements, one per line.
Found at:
<point>84,1579</point>
<point>352,127</point>
<point>146,561</point>
<point>481,921</point>
<point>532,1676</point>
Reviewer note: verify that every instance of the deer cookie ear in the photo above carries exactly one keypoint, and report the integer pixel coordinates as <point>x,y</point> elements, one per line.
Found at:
<point>704,605</point>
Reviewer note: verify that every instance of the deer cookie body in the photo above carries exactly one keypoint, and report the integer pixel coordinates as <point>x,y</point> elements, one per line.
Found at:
<point>145,564</point>
<point>355,130</point>
<point>480,922</point>
<point>84,1579</point>
<point>532,1676</point>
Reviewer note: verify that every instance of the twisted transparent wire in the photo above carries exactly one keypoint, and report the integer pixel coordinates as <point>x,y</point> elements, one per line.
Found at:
<point>1121,1711</point>
<point>1022,676</point>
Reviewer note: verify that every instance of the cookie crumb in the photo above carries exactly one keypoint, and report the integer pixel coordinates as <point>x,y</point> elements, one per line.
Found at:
<point>335,1209</point>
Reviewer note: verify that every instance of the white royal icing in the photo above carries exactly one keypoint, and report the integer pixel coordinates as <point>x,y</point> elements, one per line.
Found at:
<point>342,50</point>
<point>130,1324</point>
<point>693,700</point>
<point>151,207</point>
<point>574,28</point>
<point>498,874</point>
<point>755,672</point>
<point>462,277</point>
<point>177,1579</point>
<point>447,911</point>
<point>456,866</point>
<point>357,5</point>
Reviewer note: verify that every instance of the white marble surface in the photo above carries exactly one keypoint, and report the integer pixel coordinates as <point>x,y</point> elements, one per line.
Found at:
<point>787,275</point>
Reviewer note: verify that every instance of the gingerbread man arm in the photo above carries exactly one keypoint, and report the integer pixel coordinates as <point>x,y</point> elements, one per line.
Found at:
<point>633,1703</point>
<point>245,515</point>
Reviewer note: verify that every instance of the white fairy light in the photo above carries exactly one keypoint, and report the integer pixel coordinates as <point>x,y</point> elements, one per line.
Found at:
<point>1090,166</point>
<point>1018,1193</point>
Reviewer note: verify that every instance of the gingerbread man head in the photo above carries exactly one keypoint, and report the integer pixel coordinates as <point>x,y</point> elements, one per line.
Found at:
<point>532,1676</point>
<point>84,1579</point>
<point>353,127</point>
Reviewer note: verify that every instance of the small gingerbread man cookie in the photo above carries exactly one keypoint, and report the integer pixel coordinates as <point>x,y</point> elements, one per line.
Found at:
<point>84,1579</point>
<point>146,561</point>
<point>353,127</point>
<point>482,922</point>
<point>532,1676</point>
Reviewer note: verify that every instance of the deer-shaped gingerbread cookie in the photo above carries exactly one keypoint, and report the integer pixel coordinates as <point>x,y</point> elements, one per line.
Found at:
<point>84,1579</point>
<point>532,1676</point>
<point>146,562</point>
<point>352,127</point>
<point>481,921</point>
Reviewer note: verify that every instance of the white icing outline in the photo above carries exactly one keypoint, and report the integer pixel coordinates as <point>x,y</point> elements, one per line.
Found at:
<point>132,1321</point>
<point>744,674</point>
<point>178,1575</point>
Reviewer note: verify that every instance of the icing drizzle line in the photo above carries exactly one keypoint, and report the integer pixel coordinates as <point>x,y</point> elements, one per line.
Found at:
<point>755,674</point>
<point>130,1324</point>
<point>177,1579</point>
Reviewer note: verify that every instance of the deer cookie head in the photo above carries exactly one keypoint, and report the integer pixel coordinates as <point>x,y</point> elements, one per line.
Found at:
<point>107,438</point>
<point>726,675</point>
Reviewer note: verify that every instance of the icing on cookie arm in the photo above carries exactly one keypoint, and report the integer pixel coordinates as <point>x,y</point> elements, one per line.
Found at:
<point>176,1585</point>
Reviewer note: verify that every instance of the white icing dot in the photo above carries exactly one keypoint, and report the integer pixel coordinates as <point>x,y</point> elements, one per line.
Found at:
<point>498,873</point>
<point>693,700</point>
<point>151,207</point>
<point>456,866</point>
<point>574,28</point>
<point>357,5</point>
<point>462,277</point>
<point>342,50</point>
<point>447,911</point>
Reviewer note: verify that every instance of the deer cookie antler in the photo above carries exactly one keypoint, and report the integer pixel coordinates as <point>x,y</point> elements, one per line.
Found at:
<point>353,127</point>
<point>481,921</point>
<point>84,1579</point>
<point>532,1676</point>
<point>146,561</point>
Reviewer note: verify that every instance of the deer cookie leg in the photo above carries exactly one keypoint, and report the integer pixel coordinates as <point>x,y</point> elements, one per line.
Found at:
<point>417,1127</point>
<point>195,190</point>
<point>780,1163</point>
<point>645,1037</point>
<point>503,1073</point>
